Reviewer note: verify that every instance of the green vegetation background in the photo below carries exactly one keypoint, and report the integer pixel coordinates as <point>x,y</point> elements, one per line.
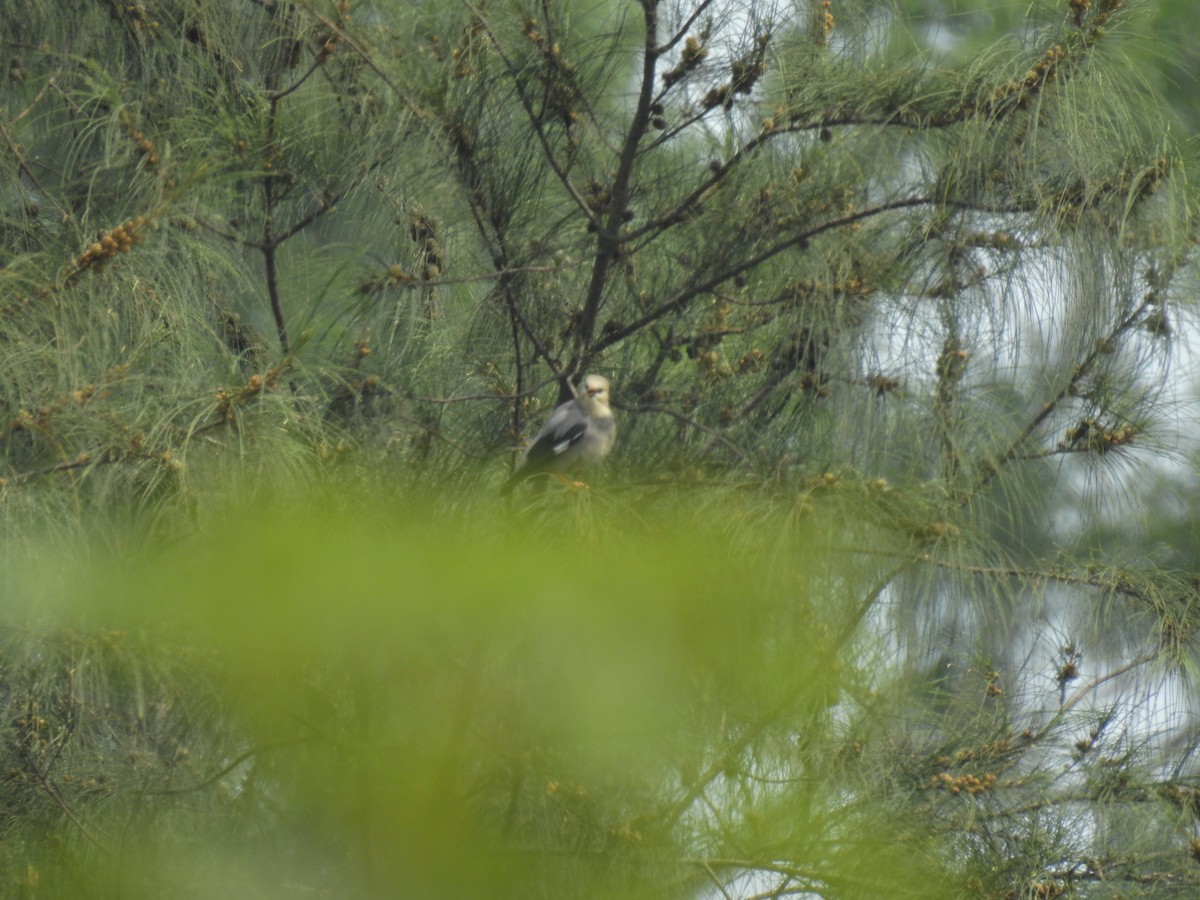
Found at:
<point>887,590</point>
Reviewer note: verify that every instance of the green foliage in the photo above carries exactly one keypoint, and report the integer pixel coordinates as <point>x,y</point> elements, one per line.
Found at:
<point>739,247</point>
<point>591,703</point>
<point>858,607</point>
<point>372,701</point>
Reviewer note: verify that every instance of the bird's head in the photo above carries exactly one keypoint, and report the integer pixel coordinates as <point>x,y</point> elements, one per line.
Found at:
<point>595,389</point>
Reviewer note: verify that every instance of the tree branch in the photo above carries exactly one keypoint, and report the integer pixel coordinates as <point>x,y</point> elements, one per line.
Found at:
<point>689,421</point>
<point>991,468</point>
<point>691,292</point>
<point>608,242</point>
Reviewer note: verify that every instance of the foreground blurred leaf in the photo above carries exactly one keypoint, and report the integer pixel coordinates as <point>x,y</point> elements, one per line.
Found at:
<point>461,711</point>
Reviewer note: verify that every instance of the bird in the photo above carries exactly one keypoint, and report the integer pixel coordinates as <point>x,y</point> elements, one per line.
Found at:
<point>578,435</point>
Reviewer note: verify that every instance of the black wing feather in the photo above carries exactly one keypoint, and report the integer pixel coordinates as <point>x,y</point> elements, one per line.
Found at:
<point>551,446</point>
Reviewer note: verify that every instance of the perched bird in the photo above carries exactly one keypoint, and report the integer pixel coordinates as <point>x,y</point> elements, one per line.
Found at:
<point>578,434</point>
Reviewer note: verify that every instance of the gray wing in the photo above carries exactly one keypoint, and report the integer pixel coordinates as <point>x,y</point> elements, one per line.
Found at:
<point>564,429</point>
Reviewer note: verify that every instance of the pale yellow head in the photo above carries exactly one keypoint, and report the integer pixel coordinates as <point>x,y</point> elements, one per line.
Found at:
<point>594,391</point>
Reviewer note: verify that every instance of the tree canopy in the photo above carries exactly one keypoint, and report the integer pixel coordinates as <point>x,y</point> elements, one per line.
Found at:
<point>888,588</point>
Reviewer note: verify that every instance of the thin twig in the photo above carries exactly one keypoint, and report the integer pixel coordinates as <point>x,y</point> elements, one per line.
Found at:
<point>229,767</point>
<point>436,432</point>
<point>77,463</point>
<point>1083,369</point>
<point>688,420</point>
<point>691,292</point>
<point>44,780</point>
<point>503,398</point>
<point>535,121</point>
